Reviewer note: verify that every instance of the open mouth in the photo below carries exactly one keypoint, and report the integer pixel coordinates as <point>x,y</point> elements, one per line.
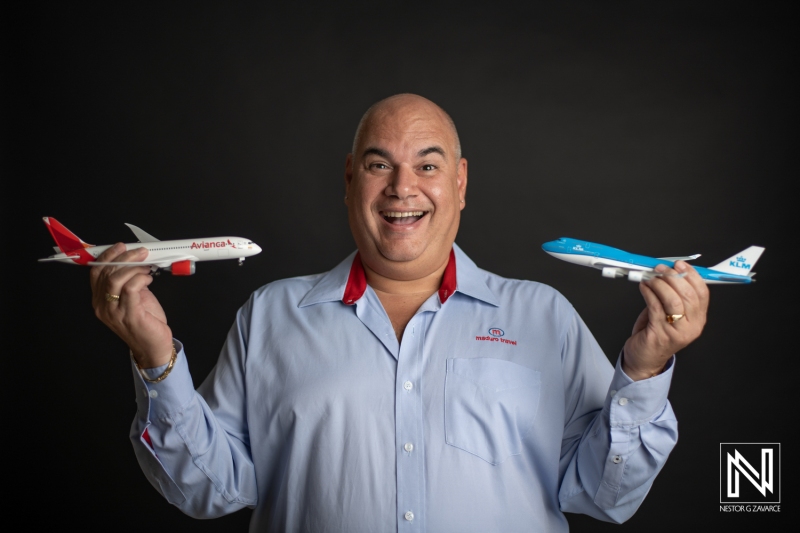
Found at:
<point>402,218</point>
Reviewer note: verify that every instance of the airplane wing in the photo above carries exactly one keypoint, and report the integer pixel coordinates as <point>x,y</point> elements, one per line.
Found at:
<point>60,258</point>
<point>632,272</point>
<point>684,258</point>
<point>141,234</point>
<point>164,262</point>
<point>614,270</point>
<point>599,264</point>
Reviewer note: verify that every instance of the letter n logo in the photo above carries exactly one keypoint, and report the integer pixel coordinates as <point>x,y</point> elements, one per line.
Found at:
<point>750,473</point>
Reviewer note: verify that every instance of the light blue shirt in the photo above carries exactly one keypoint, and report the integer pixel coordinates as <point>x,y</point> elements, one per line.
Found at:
<point>497,412</point>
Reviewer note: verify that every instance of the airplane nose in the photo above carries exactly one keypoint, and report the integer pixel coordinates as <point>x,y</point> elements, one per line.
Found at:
<point>551,246</point>
<point>256,249</point>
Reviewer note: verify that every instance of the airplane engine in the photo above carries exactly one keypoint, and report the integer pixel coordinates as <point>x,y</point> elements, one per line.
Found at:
<point>183,268</point>
<point>635,275</point>
<point>610,272</point>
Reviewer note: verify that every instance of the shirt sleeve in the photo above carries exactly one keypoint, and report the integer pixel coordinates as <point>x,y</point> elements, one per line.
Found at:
<point>617,437</point>
<point>197,459</point>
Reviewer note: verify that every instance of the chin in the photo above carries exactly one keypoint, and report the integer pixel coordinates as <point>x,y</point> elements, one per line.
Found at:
<point>400,250</point>
<point>400,255</point>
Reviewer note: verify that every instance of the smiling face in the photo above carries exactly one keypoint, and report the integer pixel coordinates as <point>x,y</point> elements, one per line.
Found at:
<point>405,186</point>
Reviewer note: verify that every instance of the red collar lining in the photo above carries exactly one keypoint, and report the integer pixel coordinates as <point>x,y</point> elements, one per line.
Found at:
<point>448,286</point>
<point>357,281</point>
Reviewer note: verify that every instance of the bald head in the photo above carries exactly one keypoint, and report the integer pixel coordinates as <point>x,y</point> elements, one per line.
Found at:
<point>400,103</point>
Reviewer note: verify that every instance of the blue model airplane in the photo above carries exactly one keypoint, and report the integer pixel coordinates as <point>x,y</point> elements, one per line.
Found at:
<point>617,263</point>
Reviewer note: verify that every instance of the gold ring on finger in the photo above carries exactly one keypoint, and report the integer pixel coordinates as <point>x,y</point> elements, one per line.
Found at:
<point>112,297</point>
<point>673,318</point>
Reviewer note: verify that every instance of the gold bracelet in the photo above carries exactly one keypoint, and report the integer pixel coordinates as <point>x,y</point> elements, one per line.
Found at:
<point>166,371</point>
<point>654,374</point>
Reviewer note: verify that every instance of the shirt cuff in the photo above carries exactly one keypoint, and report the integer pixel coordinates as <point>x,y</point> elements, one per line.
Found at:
<point>633,403</point>
<point>169,395</point>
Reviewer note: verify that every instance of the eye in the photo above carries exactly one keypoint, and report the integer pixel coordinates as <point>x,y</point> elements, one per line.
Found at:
<point>428,168</point>
<point>379,166</point>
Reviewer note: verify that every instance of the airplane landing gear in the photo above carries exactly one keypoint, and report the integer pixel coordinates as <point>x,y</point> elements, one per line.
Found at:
<point>241,261</point>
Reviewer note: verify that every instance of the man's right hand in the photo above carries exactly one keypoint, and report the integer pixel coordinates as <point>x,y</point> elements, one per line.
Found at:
<point>137,317</point>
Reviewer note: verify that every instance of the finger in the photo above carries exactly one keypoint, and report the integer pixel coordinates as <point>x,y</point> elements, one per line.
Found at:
<point>130,293</point>
<point>696,281</point>
<point>124,316</point>
<point>115,253</point>
<point>125,285</point>
<point>119,278</point>
<point>108,280</point>
<point>655,310</point>
<point>112,252</point>
<point>693,292</point>
<point>137,254</point>
<point>641,321</point>
<point>108,255</point>
<point>665,289</point>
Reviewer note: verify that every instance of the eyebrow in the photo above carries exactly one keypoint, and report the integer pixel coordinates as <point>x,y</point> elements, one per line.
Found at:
<point>375,151</point>
<point>431,150</point>
<point>422,153</point>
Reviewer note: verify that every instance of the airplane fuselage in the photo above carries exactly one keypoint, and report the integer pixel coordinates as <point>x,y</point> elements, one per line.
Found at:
<point>619,263</point>
<point>207,249</point>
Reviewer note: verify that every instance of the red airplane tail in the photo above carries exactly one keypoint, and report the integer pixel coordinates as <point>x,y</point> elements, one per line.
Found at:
<point>66,240</point>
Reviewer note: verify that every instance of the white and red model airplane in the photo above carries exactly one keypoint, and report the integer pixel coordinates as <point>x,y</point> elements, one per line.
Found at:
<point>179,257</point>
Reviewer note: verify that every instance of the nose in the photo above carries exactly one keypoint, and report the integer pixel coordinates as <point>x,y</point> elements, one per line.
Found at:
<point>256,249</point>
<point>403,183</point>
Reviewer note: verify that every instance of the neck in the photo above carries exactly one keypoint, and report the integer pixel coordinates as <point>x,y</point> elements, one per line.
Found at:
<point>401,298</point>
<point>427,284</point>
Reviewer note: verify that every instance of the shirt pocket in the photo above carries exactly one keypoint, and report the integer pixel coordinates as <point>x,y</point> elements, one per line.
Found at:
<point>489,406</point>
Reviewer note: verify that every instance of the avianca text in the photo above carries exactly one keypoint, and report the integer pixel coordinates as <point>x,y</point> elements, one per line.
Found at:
<point>204,244</point>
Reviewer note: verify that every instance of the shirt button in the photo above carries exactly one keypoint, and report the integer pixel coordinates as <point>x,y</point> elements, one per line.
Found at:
<point>617,459</point>
<point>408,447</point>
<point>408,385</point>
<point>154,394</point>
<point>409,516</point>
<point>623,401</point>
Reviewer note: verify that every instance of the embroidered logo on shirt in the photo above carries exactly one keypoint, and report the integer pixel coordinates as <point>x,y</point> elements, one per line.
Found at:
<point>495,335</point>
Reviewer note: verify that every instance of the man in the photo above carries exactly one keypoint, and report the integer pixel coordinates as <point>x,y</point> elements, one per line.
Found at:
<point>406,389</point>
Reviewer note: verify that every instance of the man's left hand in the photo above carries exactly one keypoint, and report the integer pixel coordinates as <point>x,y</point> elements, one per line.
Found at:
<point>679,293</point>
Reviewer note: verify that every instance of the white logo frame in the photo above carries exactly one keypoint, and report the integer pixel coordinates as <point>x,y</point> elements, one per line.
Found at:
<point>767,481</point>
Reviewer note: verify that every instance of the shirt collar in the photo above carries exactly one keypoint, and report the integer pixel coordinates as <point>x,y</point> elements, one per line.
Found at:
<point>347,281</point>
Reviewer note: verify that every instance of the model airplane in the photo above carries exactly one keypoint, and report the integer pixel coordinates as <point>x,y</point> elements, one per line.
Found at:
<point>179,256</point>
<point>617,263</point>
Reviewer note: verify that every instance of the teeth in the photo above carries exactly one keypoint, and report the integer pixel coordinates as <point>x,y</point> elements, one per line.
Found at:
<point>398,214</point>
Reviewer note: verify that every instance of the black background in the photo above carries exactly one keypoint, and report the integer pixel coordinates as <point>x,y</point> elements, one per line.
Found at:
<point>659,128</point>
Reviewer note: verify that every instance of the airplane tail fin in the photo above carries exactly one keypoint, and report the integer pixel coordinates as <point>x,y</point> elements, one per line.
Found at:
<point>741,263</point>
<point>66,240</point>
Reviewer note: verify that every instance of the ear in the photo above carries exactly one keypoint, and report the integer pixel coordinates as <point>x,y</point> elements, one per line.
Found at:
<point>461,178</point>
<point>348,175</point>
